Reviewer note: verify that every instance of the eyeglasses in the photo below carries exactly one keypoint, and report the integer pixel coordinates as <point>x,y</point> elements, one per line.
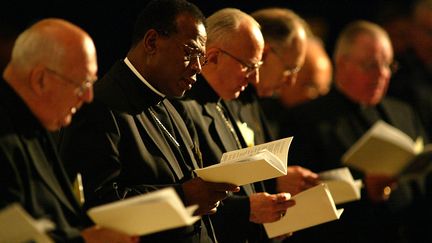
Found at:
<point>81,89</point>
<point>247,68</point>
<point>287,70</point>
<point>194,54</point>
<point>375,66</point>
<point>291,71</point>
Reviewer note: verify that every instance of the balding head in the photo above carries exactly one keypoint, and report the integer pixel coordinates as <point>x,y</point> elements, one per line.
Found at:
<point>234,50</point>
<point>55,43</point>
<point>227,24</point>
<point>52,68</point>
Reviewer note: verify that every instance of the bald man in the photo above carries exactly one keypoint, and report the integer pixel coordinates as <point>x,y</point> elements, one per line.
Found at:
<point>49,77</point>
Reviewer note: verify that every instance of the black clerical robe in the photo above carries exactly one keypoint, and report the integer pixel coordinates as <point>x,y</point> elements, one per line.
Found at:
<point>323,130</point>
<point>121,146</point>
<point>218,133</point>
<point>31,173</point>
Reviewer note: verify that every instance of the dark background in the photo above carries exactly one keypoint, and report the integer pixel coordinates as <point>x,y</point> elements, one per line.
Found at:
<point>110,23</point>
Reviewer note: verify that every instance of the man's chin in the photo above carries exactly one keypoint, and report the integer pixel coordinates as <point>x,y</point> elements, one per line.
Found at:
<point>177,96</point>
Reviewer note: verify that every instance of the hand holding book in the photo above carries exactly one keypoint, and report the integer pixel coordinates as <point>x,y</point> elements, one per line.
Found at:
<point>206,195</point>
<point>266,208</point>
<point>297,180</point>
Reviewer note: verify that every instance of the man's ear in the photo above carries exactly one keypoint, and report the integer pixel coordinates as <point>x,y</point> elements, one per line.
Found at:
<point>212,55</point>
<point>150,41</point>
<point>38,83</point>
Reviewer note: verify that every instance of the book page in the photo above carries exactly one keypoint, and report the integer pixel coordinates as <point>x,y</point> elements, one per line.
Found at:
<point>384,132</point>
<point>257,167</point>
<point>279,148</point>
<point>313,206</point>
<point>260,155</point>
<point>393,134</point>
<point>342,174</point>
<point>342,185</point>
<point>249,165</point>
<point>145,214</point>
<point>17,226</point>
<point>382,150</point>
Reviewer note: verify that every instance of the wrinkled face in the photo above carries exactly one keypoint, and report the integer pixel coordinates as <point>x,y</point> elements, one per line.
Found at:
<point>281,64</point>
<point>180,57</point>
<point>237,63</point>
<point>68,88</point>
<point>366,71</point>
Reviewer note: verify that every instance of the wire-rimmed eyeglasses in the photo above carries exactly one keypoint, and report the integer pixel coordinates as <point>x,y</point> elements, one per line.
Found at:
<point>194,54</point>
<point>247,68</point>
<point>80,89</point>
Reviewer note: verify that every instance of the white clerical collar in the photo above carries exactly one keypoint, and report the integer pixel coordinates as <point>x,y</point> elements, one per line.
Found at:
<point>133,69</point>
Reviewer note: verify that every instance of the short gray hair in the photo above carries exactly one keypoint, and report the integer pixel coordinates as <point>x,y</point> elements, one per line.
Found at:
<point>224,23</point>
<point>34,46</point>
<point>350,33</point>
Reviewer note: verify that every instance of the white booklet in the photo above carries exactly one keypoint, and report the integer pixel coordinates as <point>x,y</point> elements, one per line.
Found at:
<point>384,149</point>
<point>249,165</point>
<point>17,226</point>
<point>342,185</point>
<point>145,214</point>
<point>313,206</point>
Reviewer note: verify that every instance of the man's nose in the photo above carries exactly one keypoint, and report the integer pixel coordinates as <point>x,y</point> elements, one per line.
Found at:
<point>253,77</point>
<point>195,64</point>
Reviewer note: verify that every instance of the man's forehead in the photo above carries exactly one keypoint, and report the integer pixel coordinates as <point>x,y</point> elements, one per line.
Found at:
<point>191,30</point>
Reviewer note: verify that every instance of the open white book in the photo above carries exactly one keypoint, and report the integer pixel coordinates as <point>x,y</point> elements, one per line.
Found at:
<point>313,206</point>
<point>145,214</point>
<point>342,185</point>
<point>383,149</point>
<point>17,226</point>
<point>249,165</point>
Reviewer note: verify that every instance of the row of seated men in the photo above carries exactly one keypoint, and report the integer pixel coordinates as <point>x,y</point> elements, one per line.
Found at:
<point>188,90</point>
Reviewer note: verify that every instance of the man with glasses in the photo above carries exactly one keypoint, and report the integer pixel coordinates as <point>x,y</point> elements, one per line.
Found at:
<point>42,87</point>
<point>283,56</point>
<point>131,140</point>
<point>234,53</point>
<point>80,87</point>
<point>327,127</point>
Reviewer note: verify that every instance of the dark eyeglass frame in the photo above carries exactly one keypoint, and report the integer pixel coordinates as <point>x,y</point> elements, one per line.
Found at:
<point>80,89</point>
<point>287,70</point>
<point>247,68</point>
